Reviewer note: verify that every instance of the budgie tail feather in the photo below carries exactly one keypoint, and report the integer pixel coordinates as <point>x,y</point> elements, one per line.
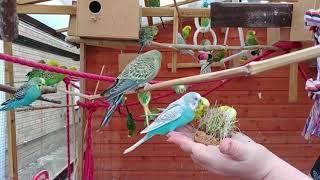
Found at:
<point>112,107</point>
<point>133,147</point>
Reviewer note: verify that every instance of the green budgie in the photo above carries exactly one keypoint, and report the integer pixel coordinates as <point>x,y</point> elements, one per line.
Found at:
<point>205,42</point>
<point>186,32</point>
<point>144,99</point>
<point>180,40</point>
<point>251,40</point>
<point>146,35</point>
<point>136,74</point>
<point>177,114</point>
<point>216,56</point>
<point>156,3</point>
<point>25,95</point>
<point>50,78</point>
<point>131,124</point>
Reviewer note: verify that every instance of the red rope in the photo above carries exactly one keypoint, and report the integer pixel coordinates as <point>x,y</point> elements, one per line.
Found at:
<point>88,155</point>
<point>45,67</point>
<point>68,128</point>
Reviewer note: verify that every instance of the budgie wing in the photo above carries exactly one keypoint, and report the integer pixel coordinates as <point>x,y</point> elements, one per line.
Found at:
<point>19,94</point>
<point>174,112</point>
<point>180,39</point>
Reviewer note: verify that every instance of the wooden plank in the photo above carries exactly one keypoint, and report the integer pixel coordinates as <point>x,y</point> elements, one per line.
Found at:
<point>146,11</point>
<point>246,15</point>
<point>30,1</point>
<point>175,32</point>
<point>62,30</point>
<point>8,20</point>
<point>46,9</point>
<point>181,3</point>
<point>273,35</point>
<point>101,42</point>
<point>11,122</point>
<point>298,32</point>
<point>81,127</point>
<point>293,83</point>
<point>150,19</point>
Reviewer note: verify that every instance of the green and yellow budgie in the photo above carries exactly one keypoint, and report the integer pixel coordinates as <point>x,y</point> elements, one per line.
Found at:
<point>251,40</point>
<point>186,32</point>
<point>51,79</point>
<point>216,56</point>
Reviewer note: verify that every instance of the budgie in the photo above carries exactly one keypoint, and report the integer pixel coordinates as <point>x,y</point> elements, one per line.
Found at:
<point>177,114</point>
<point>25,95</point>
<point>144,99</point>
<point>50,78</point>
<point>136,74</point>
<point>180,40</point>
<point>156,3</point>
<point>205,42</point>
<point>53,62</point>
<point>251,40</point>
<point>216,56</point>
<point>146,35</point>
<point>186,32</point>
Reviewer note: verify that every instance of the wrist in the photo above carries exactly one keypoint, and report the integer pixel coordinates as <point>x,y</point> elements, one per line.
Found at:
<point>281,170</point>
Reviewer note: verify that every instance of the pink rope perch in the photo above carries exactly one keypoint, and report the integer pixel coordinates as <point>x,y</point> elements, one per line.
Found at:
<point>45,67</point>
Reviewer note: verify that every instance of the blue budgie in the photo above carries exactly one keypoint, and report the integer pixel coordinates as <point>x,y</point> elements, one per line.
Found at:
<point>180,40</point>
<point>177,114</point>
<point>136,74</point>
<point>25,95</point>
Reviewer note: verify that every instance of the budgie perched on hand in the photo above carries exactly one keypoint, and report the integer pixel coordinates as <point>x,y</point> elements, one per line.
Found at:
<point>251,40</point>
<point>177,114</point>
<point>25,95</point>
<point>186,32</point>
<point>136,74</point>
<point>146,35</point>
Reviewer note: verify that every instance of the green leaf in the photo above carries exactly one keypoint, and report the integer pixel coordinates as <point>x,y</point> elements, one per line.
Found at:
<point>144,97</point>
<point>131,124</point>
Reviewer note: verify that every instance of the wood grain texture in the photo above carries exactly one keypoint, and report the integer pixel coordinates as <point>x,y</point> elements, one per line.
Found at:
<point>8,20</point>
<point>251,15</point>
<point>269,120</point>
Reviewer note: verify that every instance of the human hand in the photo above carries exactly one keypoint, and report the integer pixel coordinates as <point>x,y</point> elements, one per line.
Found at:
<point>237,156</point>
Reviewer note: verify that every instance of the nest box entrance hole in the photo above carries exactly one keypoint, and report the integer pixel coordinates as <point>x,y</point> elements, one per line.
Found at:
<point>94,7</point>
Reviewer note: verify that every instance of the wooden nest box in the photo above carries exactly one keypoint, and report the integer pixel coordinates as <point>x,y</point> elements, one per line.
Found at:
<point>108,19</point>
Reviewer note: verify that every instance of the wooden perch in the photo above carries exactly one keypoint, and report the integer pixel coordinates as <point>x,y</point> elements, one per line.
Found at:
<point>8,20</point>
<point>33,108</point>
<point>210,47</point>
<point>46,90</point>
<point>247,70</point>
<point>30,1</point>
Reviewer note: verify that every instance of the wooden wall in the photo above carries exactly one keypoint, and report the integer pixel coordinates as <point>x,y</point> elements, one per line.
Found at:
<point>271,120</point>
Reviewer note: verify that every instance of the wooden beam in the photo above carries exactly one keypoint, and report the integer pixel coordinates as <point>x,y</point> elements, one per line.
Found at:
<point>247,70</point>
<point>180,3</point>
<point>150,19</point>
<point>11,122</point>
<point>246,15</point>
<point>101,42</point>
<point>46,9</point>
<point>8,20</point>
<point>174,40</point>
<point>81,127</point>
<point>146,11</point>
<point>62,30</point>
<point>31,1</point>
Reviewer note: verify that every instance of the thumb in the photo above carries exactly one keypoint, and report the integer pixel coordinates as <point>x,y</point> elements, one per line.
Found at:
<point>234,149</point>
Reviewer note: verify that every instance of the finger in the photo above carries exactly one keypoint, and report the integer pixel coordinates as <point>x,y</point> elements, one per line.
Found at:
<point>235,149</point>
<point>184,142</point>
<point>186,129</point>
